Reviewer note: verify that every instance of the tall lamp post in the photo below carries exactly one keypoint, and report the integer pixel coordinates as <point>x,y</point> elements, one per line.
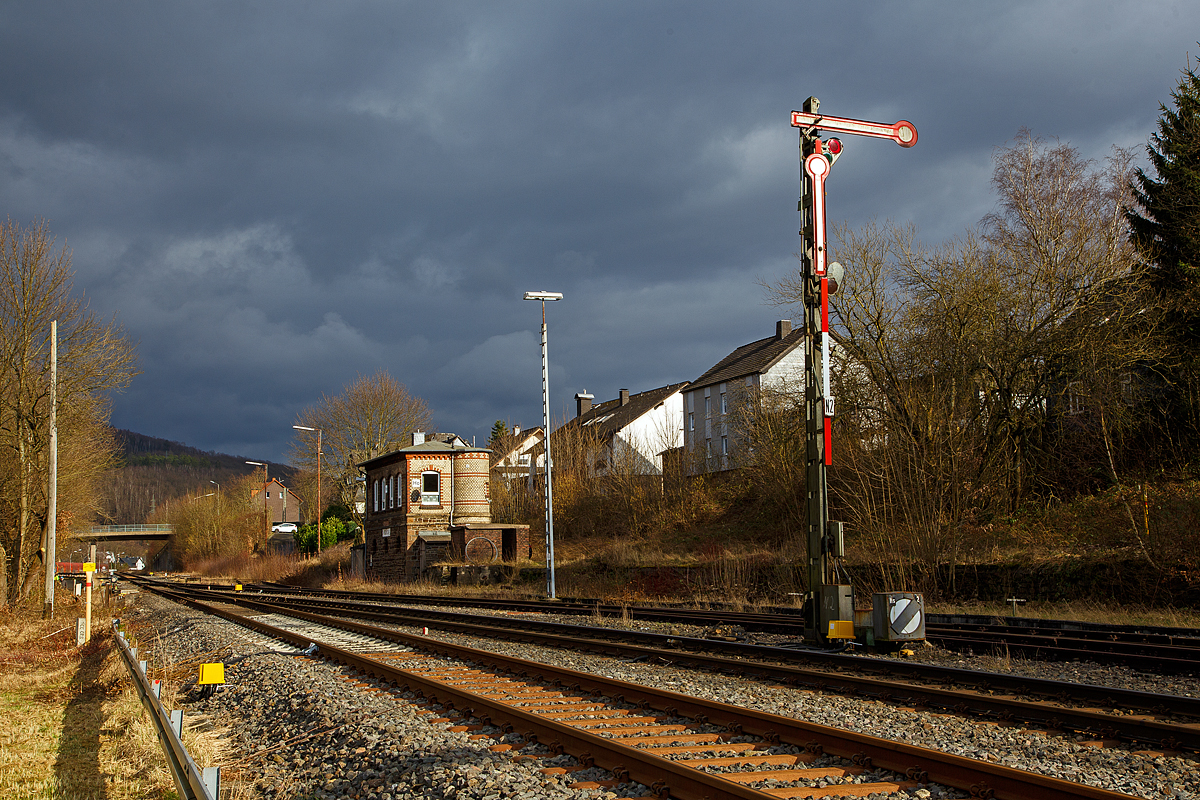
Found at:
<point>266,511</point>
<point>543,297</point>
<point>318,431</point>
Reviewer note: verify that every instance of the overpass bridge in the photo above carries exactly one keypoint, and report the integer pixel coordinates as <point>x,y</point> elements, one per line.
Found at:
<point>126,533</point>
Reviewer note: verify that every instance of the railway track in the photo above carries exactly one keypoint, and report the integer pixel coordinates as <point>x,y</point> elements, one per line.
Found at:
<point>672,744</point>
<point>1148,648</point>
<point>1101,713</point>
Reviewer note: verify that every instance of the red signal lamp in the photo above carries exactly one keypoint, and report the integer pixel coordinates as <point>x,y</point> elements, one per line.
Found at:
<point>832,149</point>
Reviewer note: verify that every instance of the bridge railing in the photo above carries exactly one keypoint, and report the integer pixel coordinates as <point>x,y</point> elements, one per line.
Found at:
<point>158,528</point>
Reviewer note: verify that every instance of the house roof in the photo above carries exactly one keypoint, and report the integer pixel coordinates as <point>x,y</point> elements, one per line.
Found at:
<point>276,482</point>
<point>445,438</point>
<point>751,359</point>
<point>426,447</point>
<point>527,438</point>
<point>609,417</point>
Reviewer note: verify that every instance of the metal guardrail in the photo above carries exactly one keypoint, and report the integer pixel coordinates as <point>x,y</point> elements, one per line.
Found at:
<point>189,780</point>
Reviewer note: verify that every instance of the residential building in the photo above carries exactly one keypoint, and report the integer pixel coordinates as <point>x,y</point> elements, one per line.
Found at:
<point>632,432</point>
<point>710,437</point>
<point>282,503</point>
<point>522,448</point>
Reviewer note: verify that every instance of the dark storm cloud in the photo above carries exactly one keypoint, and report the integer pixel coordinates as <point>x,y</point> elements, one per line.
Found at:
<point>277,197</point>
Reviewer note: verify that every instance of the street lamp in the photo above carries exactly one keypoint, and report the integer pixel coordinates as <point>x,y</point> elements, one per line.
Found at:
<point>318,430</point>
<point>266,512</point>
<point>543,297</point>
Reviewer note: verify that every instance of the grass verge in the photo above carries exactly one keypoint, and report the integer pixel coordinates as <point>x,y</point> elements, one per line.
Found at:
<point>74,728</point>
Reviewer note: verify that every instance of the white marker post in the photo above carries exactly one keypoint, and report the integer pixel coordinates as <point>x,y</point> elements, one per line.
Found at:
<point>88,569</point>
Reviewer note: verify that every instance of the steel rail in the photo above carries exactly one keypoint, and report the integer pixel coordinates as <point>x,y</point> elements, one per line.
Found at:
<point>700,651</point>
<point>1173,659</point>
<point>1152,649</point>
<point>1146,731</point>
<point>981,779</point>
<point>191,783</point>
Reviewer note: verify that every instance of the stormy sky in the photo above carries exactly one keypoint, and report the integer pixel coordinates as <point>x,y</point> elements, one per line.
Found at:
<point>277,197</point>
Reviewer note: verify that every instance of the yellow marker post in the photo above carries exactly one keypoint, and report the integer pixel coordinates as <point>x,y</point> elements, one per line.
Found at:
<point>88,569</point>
<point>211,676</point>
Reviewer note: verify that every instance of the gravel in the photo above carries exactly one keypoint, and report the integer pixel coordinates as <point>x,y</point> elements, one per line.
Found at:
<point>298,727</point>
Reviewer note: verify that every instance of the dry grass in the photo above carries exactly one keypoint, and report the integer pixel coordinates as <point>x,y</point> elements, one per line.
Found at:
<point>74,727</point>
<point>1080,611</point>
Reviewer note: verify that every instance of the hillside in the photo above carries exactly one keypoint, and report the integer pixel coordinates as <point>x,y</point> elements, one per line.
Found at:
<point>155,470</point>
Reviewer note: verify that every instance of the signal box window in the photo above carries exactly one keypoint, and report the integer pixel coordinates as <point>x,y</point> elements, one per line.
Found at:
<point>431,488</point>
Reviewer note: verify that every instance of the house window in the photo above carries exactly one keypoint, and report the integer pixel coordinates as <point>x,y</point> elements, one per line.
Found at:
<point>706,408</point>
<point>724,445</point>
<point>708,448</point>
<point>1074,399</point>
<point>691,422</point>
<point>724,404</point>
<point>1127,388</point>
<point>431,488</point>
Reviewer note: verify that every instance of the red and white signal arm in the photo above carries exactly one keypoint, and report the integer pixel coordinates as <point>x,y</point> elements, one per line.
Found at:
<point>817,167</point>
<point>903,133</point>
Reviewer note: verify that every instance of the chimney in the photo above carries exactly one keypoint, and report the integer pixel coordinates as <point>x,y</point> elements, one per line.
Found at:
<point>783,328</point>
<point>418,438</point>
<point>624,397</point>
<point>516,430</point>
<point>583,403</point>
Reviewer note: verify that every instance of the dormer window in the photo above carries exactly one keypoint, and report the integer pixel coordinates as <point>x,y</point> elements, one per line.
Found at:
<point>431,488</point>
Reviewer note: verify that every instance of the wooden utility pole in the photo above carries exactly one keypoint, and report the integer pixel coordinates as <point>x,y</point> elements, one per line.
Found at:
<point>52,510</point>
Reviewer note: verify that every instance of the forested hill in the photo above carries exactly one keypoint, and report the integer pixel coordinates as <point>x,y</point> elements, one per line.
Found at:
<point>154,470</point>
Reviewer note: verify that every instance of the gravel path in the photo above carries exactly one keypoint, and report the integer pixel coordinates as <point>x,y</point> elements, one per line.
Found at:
<point>301,728</point>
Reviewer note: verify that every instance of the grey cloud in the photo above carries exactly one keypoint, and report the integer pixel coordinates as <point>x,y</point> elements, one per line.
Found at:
<point>277,198</point>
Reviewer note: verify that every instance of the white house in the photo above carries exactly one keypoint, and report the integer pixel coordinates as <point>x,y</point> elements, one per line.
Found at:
<point>633,431</point>
<point>526,447</point>
<point>772,363</point>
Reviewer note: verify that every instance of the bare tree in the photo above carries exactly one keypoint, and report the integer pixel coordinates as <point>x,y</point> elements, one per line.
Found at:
<point>94,358</point>
<point>211,524</point>
<point>372,416</point>
<point>956,357</point>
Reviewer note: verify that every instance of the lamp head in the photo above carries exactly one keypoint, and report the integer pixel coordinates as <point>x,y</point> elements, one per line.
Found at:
<point>543,296</point>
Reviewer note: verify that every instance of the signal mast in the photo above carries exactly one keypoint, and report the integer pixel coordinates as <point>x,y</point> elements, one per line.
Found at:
<point>829,606</point>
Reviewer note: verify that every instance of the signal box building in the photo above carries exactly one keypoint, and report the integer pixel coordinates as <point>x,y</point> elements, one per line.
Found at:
<point>418,495</point>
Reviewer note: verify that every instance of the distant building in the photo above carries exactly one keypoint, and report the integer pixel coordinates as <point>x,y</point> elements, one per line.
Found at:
<point>709,435</point>
<point>525,448</point>
<point>632,432</point>
<point>282,503</point>
<point>420,495</point>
